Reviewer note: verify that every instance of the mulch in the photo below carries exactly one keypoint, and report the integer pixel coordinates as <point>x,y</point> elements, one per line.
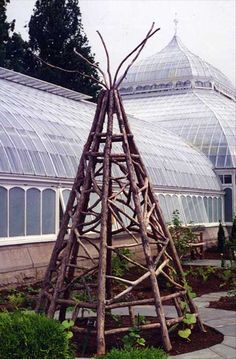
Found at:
<point>226,303</point>
<point>86,345</point>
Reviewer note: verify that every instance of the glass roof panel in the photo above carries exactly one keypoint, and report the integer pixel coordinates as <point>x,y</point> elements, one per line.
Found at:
<point>174,64</point>
<point>47,138</point>
<point>205,119</point>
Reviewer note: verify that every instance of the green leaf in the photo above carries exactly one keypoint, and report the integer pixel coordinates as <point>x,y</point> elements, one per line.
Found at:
<point>183,305</point>
<point>69,335</point>
<point>190,318</point>
<point>67,324</point>
<point>141,341</point>
<point>184,333</point>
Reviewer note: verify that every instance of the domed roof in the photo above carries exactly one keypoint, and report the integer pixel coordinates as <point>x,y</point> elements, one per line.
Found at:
<point>206,119</point>
<point>174,67</point>
<point>42,134</point>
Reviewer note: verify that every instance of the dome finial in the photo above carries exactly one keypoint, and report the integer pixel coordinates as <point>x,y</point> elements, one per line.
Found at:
<point>176,23</point>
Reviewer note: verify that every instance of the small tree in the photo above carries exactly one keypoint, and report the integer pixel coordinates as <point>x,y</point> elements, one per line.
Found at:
<point>181,235</point>
<point>221,238</point>
<point>233,231</point>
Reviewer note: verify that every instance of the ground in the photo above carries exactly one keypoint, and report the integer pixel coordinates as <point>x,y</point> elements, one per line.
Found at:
<point>202,279</point>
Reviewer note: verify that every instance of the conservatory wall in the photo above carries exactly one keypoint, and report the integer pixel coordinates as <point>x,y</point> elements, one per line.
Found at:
<point>27,214</point>
<point>42,132</point>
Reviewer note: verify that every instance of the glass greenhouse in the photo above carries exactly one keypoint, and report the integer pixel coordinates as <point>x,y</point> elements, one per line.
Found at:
<point>43,128</point>
<point>189,97</point>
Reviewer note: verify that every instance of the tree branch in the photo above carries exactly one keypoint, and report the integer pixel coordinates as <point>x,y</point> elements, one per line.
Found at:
<point>71,71</point>
<point>140,46</point>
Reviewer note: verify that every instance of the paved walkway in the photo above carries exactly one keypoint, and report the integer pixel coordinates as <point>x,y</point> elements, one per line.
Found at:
<point>222,320</point>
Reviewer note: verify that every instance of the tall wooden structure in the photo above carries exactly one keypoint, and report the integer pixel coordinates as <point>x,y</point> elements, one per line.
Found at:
<point>112,185</point>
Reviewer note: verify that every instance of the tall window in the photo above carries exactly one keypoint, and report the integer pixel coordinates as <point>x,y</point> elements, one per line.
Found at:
<point>48,211</point>
<point>228,205</point>
<point>16,212</point>
<point>33,224</point>
<point>3,212</point>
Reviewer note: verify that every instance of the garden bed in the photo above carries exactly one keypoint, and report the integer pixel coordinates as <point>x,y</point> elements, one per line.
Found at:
<point>225,303</point>
<point>202,279</point>
<point>86,345</point>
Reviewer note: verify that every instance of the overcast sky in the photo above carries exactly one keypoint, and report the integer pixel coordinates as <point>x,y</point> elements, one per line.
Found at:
<point>206,27</point>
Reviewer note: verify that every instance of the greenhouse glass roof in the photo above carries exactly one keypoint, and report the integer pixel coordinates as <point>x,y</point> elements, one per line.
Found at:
<point>42,134</point>
<point>188,96</point>
<point>205,119</point>
<point>174,68</point>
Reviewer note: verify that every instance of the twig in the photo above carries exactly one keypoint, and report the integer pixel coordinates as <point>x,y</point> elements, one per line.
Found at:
<point>141,44</point>
<point>108,58</point>
<point>93,65</point>
<point>72,71</point>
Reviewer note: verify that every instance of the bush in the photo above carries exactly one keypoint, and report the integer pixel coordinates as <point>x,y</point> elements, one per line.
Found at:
<point>147,353</point>
<point>182,236</point>
<point>221,238</point>
<point>27,335</point>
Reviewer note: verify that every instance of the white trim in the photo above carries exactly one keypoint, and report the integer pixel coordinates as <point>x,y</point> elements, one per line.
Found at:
<point>27,239</point>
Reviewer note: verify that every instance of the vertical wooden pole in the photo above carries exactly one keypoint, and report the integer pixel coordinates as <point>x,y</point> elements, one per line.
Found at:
<point>101,347</point>
<point>172,249</point>
<point>143,229</point>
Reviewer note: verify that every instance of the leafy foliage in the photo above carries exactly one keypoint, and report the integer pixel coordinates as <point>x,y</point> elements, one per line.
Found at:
<point>55,29</point>
<point>17,299</point>
<point>181,235</point>
<point>147,353</point>
<point>26,335</point>
<point>203,272</point>
<point>13,49</point>
<point>119,264</point>
<point>221,238</point>
<point>133,339</point>
<point>233,230</point>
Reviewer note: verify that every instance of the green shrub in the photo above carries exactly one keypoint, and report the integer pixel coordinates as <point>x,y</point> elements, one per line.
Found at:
<point>27,335</point>
<point>182,236</point>
<point>221,238</point>
<point>119,264</point>
<point>147,353</point>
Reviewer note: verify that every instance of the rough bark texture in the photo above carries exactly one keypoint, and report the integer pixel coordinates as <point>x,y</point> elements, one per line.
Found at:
<point>112,194</point>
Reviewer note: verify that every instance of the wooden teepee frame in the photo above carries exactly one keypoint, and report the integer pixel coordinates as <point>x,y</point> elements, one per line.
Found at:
<point>112,171</point>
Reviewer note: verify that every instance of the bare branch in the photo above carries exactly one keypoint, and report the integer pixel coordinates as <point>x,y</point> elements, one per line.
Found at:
<point>72,71</point>
<point>93,65</point>
<point>140,45</point>
<point>108,58</point>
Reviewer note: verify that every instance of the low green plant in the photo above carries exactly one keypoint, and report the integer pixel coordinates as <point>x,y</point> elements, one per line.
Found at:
<point>119,264</point>
<point>17,299</point>
<point>188,323</point>
<point>27,335</point>
<point>182,236</point>
<point>146,353</point>
<point>188,289</point>
<point>203,272</point>
<point>140,319</point>
<point>133,339</point>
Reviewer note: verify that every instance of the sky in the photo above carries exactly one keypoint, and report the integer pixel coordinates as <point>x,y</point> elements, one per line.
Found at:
<point>206,27</point>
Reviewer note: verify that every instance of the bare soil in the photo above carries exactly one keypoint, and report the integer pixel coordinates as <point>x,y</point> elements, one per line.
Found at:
<point>86,345</point>
<point>226,303</point>
<point>201,283</point>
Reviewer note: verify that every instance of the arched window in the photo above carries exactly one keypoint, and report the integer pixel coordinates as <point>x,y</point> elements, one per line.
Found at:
<point>3,212</point>
<point>16,212</point>
<point>33,223</point>
<point>48,211</point>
